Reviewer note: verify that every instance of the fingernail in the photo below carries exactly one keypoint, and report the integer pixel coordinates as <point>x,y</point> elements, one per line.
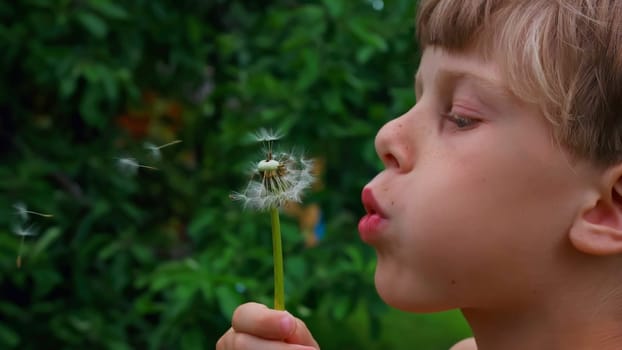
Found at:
<point>287,323</point>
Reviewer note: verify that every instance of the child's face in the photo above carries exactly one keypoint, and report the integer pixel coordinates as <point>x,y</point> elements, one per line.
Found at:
<point>476,197</point>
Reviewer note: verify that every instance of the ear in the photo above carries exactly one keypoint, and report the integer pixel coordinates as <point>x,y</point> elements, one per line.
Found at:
<point>597,229</point>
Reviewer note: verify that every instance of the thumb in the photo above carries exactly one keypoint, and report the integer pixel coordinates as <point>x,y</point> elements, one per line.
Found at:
<point>297,331</point>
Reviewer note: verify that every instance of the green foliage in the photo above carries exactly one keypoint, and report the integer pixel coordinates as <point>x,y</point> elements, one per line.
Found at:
<point>159,260</point>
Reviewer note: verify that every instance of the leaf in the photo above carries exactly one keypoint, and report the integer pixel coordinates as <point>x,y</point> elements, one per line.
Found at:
<point>334,7</point>
<point>356,257</point>
<point>309,70</point>
<point>108,9</point>
<point>311,13</point>
<point>201,222</point>
<point>109,85</point>
<point>12,311</point>
<point>109,250</point>
<point>95,25</point>
<point>341,307</point>
<point>89,108</point>
<point>296,269</point>
<point>193,339</point>
<point>45,241</point>
<point>364,54</point>
<point>117,345</point>
<point>331,101</point>
<point>67,86</point>
<point>144,304</point>
<point>98,211</point>
<point>142,253</point>
<point>8,337</point>
<point>374,40</point>
<point>45,281</point>
<point>228,299</point>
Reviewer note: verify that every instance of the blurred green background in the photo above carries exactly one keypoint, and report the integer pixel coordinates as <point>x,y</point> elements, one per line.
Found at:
<point>159,259</point>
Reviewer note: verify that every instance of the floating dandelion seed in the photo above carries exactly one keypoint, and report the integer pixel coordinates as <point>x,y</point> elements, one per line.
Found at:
<point>23,212</point>
<point>267,135</point>
<point>22,232</point>
<point>130,166</point>
<point>154,150</point>
<point>283,178</point>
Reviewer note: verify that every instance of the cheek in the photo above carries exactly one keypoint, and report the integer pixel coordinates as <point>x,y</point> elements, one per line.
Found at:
<point>486,200</point>
<point>467,223</point>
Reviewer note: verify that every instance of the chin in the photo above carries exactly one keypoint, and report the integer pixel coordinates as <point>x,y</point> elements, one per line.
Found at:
<point>408,295</point>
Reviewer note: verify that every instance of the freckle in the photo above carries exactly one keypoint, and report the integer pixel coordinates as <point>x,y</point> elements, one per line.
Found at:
<point>453,282</point>
<point>392,202</point>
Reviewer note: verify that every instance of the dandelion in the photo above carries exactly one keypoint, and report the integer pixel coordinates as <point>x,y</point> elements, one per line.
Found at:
<point>22,211</point>
<point>22,232</point>
<point>154,150</point>
<point>130,166</point>
<point>282,178</point>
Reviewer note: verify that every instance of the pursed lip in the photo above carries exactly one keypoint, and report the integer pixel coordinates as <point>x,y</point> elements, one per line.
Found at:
<point>370,203</point>
<point>373,224</point>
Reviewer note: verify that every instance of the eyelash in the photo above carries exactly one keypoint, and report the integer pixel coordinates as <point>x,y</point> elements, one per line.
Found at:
<point>461,122</point>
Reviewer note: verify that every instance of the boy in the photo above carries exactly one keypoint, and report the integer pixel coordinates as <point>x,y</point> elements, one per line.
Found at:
<point>502,193</point>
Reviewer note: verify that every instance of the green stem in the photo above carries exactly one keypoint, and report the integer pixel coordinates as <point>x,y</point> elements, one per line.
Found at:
<point>18,262</point>
<point>277,253</point>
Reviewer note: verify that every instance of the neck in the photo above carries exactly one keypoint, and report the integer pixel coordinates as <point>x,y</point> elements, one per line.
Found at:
<point>578,307</point>
<point>544,329</point>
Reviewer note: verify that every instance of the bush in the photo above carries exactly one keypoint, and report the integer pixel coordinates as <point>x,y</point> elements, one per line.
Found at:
<point>159,259</point>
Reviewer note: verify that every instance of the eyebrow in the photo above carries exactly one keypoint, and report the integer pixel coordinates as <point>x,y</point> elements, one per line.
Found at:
<point>446,76</point>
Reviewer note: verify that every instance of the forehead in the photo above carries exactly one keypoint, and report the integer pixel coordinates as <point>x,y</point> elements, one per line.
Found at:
<point>439,66</point>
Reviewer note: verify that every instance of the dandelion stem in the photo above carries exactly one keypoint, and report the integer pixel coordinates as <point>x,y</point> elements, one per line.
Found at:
<point>18,261</point>
<point>39,214</point>
<point>147,167</point>
<point>169,144</point>
<point>277,253</point>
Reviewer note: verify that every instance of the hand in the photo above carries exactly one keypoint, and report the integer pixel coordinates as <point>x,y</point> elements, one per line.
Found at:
<point>465,344</point>
<point>256,327</point>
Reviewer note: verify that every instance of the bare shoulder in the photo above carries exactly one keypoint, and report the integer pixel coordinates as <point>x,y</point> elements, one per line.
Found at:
<point>465,344</point>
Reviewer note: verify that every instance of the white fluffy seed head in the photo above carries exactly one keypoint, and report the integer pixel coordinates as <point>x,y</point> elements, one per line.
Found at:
<point>297,176</point>
<point>268,165</point>
<point>284,176</point>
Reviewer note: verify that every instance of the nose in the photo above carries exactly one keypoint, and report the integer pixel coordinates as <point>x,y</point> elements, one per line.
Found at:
<point>394,144</point>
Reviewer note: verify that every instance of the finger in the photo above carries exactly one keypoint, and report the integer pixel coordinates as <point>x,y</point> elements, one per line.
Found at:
<point>243,341</point>
<point>465,344</point>
<point>260,321</point>
<point>301,335</point>
<point>221,344</point>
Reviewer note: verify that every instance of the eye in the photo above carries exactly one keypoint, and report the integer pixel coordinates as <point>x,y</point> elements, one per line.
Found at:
<point>461,122</point>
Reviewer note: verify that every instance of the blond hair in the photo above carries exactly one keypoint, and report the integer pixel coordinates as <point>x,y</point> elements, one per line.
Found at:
<point>563,55</point>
